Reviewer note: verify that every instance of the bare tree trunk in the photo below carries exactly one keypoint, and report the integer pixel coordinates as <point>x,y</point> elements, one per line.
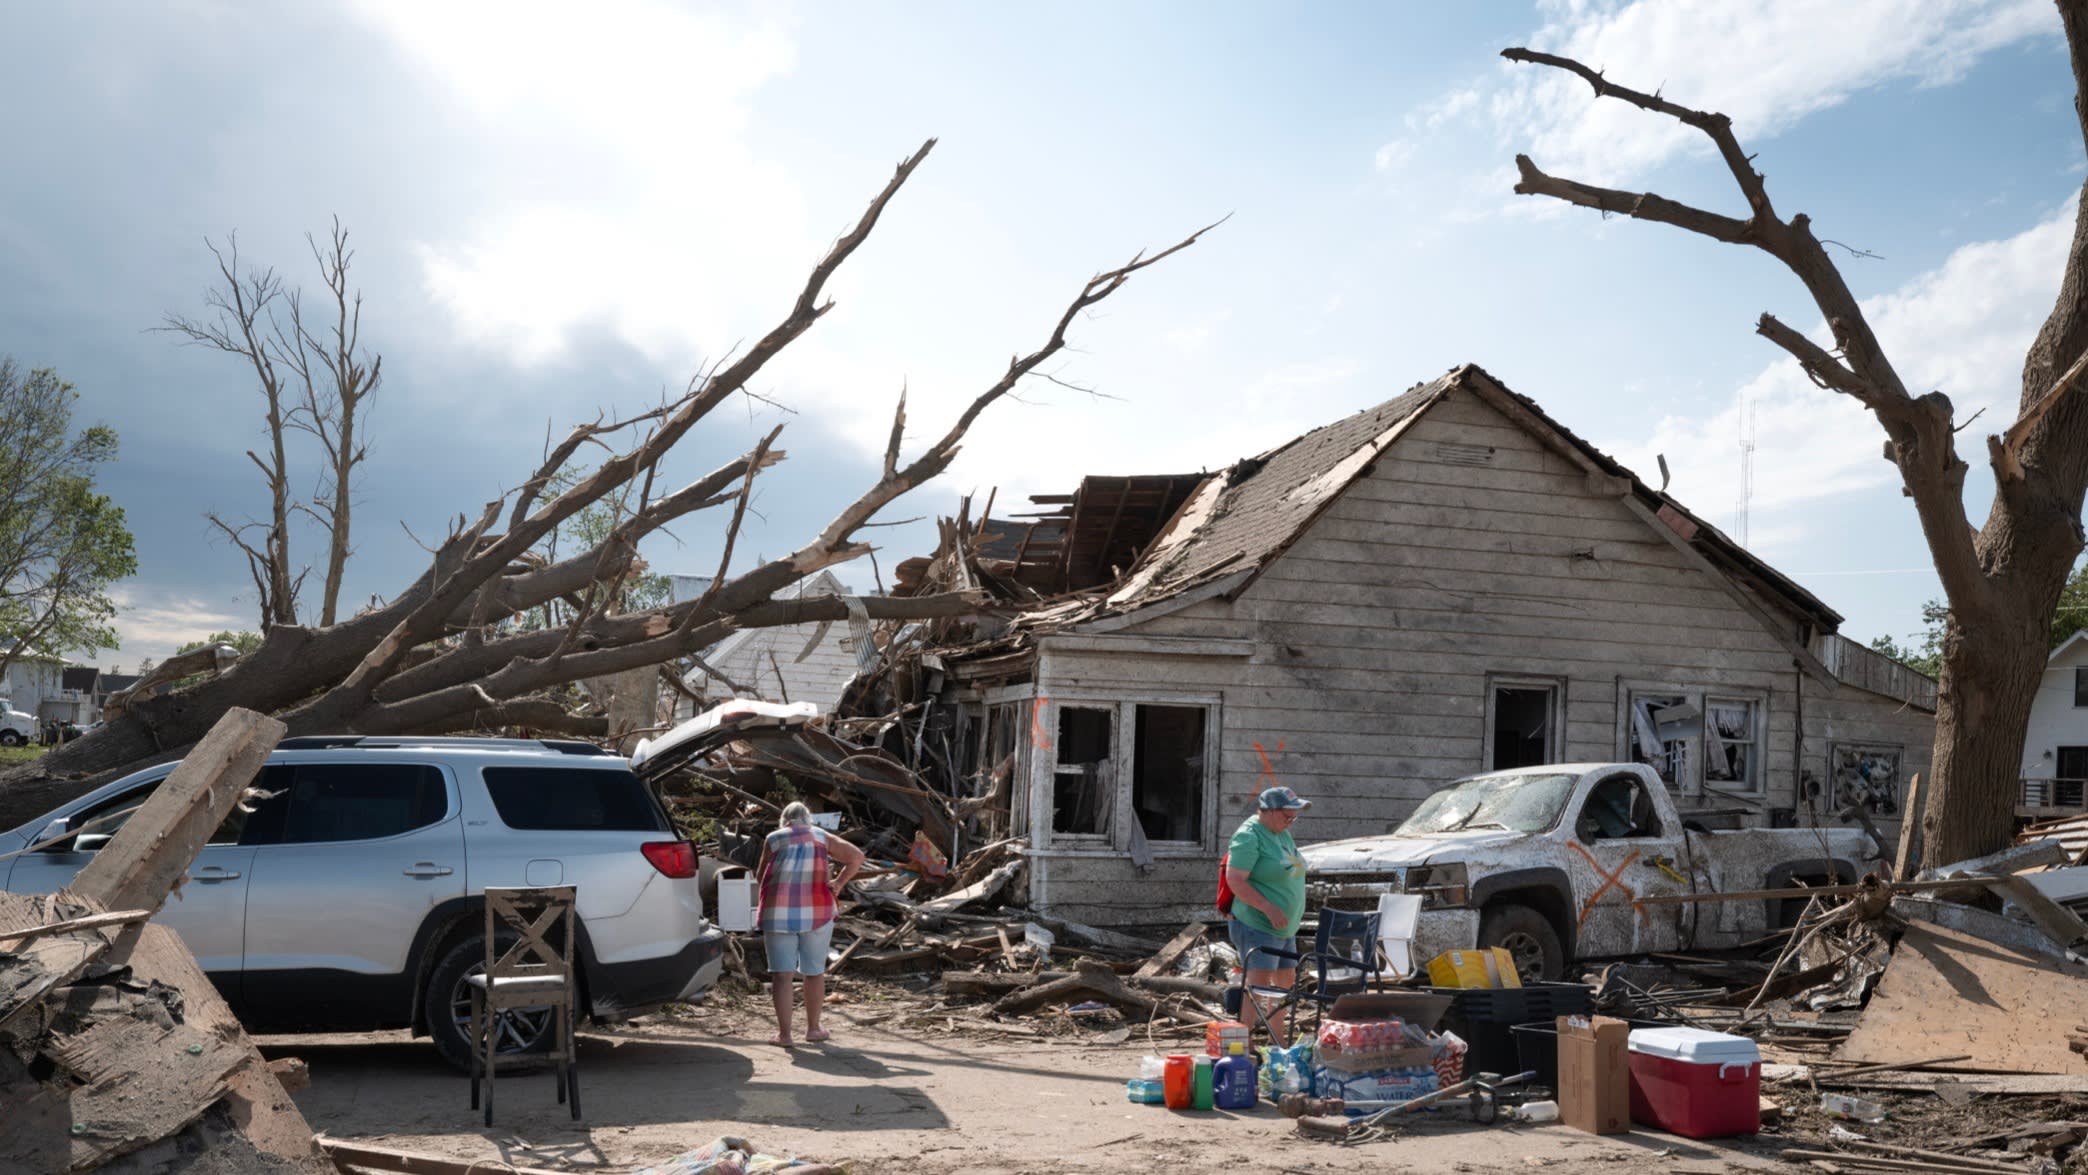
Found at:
<point>333,402</point>
<point>2003,579</point>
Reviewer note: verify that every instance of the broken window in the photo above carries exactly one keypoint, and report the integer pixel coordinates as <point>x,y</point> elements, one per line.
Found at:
<point>1867,776</point>
<point>1662,727</point>
<point>1083,783</point>
<point>1167,772</point>
<point>1522,730</point>
<point>1005,753</point>
<point>1732,737</point>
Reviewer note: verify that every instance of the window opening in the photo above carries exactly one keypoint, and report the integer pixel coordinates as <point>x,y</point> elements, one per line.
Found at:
<point>2071,786</point>
<point>2081,686</point>
<point>1084,780</point>
<point>1731,754</point>
<point>1662,726</point>
<point>1522,719</point>
<point>1619,807</point>
<point>1167,772</point>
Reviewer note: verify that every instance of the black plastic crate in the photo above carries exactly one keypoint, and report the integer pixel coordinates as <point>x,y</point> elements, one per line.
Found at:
<point>1486,1016</point>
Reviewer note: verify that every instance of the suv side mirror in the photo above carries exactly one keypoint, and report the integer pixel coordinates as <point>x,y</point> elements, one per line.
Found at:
<point>58,827</point>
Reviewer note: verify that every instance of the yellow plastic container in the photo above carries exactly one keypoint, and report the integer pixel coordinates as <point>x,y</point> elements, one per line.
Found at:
<point>1493,967</point>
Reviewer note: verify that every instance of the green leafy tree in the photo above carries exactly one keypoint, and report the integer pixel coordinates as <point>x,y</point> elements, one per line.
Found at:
<point>2072,614</point>
<point>61,543</point>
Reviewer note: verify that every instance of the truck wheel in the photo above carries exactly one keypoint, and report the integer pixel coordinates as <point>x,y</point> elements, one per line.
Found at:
<point>10,738</point>
<point>1529,938</point>
<point>447,1006</point>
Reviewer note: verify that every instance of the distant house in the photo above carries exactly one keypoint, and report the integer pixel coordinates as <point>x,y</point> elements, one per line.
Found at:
<point>2055,747</point>
<point>1448,583</point>
<point>80,696</point>
<point>33,678</point>
<point>792,662</point>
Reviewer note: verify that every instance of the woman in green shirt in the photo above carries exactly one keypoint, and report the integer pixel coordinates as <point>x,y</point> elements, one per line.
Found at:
<point>1267,879</point>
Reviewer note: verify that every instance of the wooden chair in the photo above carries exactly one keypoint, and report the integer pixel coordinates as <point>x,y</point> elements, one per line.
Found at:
<point>535,971</point>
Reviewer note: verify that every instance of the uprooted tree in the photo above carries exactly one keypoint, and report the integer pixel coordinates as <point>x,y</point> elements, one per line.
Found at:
<point>446,653</point>
<point>2002,579</point>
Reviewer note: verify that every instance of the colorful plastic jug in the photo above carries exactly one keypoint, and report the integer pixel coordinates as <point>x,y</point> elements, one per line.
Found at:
<point>1235,1079</point>
<point>1204,1095</point>
<point>1178,1082</point>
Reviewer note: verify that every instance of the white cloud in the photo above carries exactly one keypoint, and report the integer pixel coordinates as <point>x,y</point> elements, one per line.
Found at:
<point>154,623</point>
<point>1766,64</point>
<point>1961,328</point>
<point>622,191</point>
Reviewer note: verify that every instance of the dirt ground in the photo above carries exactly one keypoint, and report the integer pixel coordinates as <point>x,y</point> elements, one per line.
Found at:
<point>890,1096</point>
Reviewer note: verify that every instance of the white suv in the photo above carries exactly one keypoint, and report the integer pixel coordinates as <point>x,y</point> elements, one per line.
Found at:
<point>351,898</point>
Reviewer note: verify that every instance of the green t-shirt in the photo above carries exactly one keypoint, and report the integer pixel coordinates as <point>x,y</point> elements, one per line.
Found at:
<point>1272,863</point>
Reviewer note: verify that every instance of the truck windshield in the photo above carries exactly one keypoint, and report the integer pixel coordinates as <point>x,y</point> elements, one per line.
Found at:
<point>1519,803</point>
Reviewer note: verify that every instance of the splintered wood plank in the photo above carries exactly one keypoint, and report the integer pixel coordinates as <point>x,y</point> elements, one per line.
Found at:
<point>30,970</point>
<point>1948,993</point>
<point>156,846</point>
<point>260,1107</point>
<point>141,1075</point>
<point>1172,951</point>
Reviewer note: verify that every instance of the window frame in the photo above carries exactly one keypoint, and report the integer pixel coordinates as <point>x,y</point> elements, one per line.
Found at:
<point>452,800</point>
<point>1692,782</point>
<point>1043,764</point>
<point>2080,681</point>
<point>1555,715</point>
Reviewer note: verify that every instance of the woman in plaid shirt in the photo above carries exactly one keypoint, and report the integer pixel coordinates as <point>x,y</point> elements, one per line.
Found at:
<point>797,912</point>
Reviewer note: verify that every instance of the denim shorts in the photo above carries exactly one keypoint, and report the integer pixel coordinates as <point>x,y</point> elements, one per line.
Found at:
<point>1254,946</point>
<point>804,952</point>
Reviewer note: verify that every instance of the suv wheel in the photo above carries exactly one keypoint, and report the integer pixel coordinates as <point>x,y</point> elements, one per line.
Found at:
<point>447,1005</point>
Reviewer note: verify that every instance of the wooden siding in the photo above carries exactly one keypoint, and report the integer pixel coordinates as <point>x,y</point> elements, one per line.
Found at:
<point>1375,634</point>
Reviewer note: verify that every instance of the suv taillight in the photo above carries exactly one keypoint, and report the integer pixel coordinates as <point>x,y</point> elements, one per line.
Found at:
<point>675,858</point>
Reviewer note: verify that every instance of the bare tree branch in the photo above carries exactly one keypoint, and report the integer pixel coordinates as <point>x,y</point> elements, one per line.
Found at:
<point>1920,429</point>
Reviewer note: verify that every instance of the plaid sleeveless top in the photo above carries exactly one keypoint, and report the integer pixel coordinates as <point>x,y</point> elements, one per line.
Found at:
<point>794,893</point>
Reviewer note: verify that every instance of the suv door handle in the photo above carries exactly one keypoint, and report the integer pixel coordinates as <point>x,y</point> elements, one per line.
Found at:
<point>428,869</point>
<point>214,873</point>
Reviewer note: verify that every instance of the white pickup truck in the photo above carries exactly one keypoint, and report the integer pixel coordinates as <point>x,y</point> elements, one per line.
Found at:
<point>1555,863</point>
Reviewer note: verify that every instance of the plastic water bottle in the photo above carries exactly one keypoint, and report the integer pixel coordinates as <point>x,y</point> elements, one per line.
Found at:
<point>1235,1080</point>
<point>1545,1111</point>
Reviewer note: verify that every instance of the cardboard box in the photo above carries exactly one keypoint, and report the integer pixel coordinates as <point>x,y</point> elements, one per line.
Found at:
<point>1595,1074</point>
<point>1493,967</point>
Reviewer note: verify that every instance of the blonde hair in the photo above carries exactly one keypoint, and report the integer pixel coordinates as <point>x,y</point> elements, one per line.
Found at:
<point>795,813</point>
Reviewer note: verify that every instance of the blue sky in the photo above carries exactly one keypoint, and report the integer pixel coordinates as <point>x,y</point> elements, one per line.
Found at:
<point>561,209</point>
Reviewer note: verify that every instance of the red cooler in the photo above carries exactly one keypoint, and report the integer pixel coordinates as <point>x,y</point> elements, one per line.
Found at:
<point>1695,1083</point>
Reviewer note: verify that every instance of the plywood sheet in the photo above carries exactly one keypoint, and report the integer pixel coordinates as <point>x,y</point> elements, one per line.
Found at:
<point>1947,993</point>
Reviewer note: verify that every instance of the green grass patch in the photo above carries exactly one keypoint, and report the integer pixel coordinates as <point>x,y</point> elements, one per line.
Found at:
<point>21,754</point>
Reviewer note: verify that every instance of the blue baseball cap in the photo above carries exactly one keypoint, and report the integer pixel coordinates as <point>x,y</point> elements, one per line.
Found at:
<point>1282,799</point>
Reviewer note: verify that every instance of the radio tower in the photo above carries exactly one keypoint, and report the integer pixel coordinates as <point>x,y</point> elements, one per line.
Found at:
<point>1747,450</point>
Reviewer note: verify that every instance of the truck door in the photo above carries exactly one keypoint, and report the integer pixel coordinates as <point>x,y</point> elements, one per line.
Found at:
<point>1623,851</point>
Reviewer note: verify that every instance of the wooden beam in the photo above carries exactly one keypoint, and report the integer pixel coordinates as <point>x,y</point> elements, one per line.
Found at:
<point>1907,858</point>
<point>1173,950</point>
<point>140,865</point>
<point>353,1158</point>
<point>88,922</point>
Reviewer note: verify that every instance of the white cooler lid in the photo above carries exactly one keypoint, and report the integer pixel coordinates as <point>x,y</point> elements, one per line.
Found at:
<point>1695,1045</point>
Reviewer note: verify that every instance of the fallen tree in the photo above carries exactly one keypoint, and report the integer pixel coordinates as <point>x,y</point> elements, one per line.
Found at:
<point>447,654</point>
<point>2003,578</point>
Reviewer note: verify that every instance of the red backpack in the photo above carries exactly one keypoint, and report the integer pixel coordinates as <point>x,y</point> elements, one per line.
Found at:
<point>1225,891</point>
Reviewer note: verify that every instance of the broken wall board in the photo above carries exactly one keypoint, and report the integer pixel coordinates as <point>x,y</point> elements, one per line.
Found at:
<point>30,970</point>
<point>1947,993</point>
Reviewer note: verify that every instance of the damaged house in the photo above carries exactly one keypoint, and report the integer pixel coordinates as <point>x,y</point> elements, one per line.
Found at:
<point>1448,583</point>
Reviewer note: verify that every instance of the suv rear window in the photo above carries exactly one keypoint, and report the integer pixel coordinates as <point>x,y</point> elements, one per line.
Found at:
<point>573,799</point>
